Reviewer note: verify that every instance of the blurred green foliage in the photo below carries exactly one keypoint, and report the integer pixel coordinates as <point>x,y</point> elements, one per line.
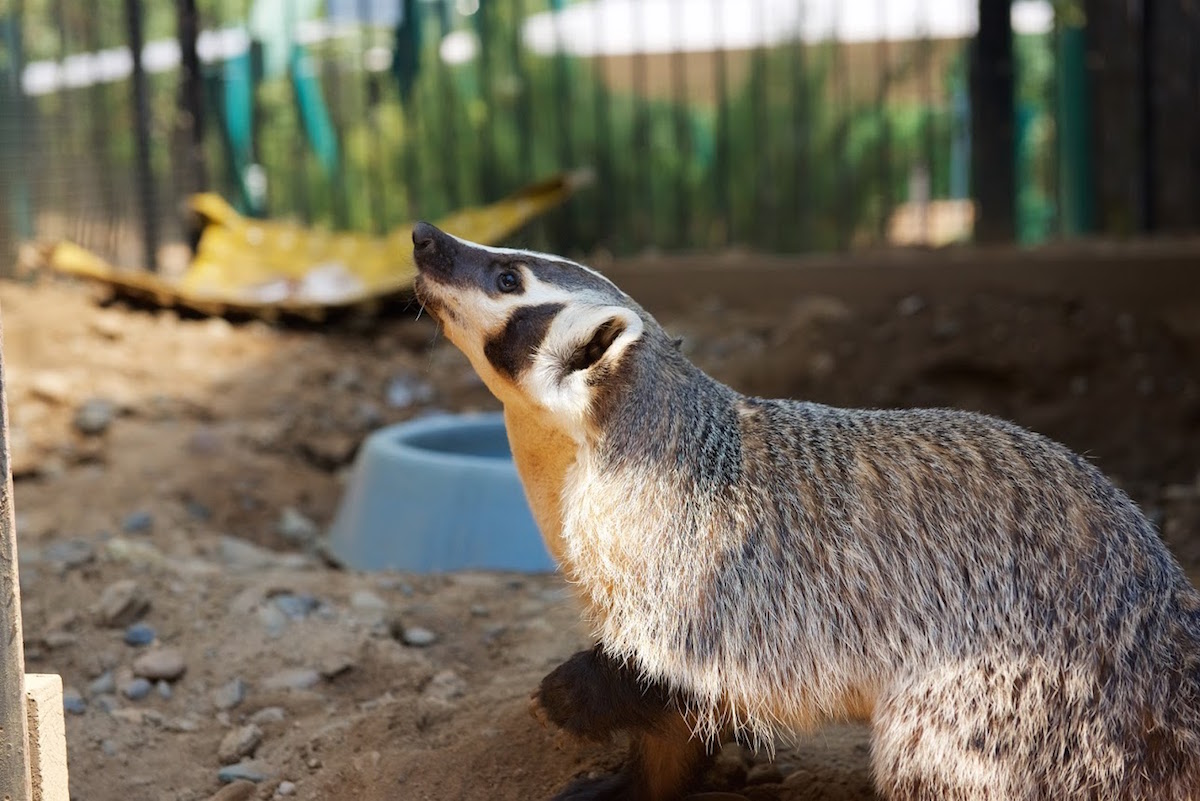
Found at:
<point>780,161</point>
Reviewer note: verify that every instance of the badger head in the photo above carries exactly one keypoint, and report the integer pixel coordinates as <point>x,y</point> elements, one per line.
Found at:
<point>538,329</point>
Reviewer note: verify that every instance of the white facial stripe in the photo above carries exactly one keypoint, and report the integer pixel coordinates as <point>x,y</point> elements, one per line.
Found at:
<point>528,254</point>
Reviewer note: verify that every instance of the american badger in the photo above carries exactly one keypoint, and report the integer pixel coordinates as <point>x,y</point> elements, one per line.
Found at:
<point>1006,619</point>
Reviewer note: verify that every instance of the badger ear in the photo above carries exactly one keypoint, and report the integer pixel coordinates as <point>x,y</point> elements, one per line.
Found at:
<point>615,324</point>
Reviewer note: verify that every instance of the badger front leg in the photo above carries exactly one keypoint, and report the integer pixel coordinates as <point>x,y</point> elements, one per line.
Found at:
<point>593,696</point>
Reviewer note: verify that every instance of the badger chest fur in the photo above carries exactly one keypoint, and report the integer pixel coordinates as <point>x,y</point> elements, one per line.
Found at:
<point>1006,619</point>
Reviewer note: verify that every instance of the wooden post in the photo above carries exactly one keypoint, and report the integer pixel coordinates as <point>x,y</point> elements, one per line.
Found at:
<point>14,728</point>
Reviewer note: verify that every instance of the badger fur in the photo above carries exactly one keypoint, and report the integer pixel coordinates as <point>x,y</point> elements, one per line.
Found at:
<point>1006,619</point>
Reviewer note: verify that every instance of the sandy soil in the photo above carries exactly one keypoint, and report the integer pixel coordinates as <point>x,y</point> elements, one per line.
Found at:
<point>217,453</point>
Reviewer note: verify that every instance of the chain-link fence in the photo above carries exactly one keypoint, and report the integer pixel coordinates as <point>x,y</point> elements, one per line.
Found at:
<point>787,125</point>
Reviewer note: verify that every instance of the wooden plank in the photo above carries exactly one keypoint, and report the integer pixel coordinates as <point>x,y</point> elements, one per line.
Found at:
<point>14,728</point>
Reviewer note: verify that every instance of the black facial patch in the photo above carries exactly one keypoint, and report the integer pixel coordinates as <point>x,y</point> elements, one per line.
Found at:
<point>588,354</point>
<point>511,351</point>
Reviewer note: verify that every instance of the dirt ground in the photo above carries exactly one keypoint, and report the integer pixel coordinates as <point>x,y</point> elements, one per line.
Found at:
<point>178,473</point>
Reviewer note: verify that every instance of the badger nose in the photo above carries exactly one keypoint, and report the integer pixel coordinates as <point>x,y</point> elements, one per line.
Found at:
<point>424,238</point>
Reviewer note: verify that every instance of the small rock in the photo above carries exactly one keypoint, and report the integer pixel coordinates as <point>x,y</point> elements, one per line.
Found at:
<point>367,601</point>
<point>139,634</point>
<point>239,743</point>
<point>247,771</point>
<point>229,694</point>
<point>51,386</point>
<point>294,527</point>
<point>238,790</point>
<point>272,619</point>
<point>268,714</point>
<point>334,665</point>
<point>160,663</point>
<point>109,747</point>
<point>102,684</point>
<point>164,689</point>
<point>766,773</point>
<point>137,689</point>
<point>55,640</point>
<point>70,553</point>
<point>94,416</point>
<point>285,788</point>
<point>239,554</point>
<point>106,703</point>
<point>73,702</point>
<point>296,607</point>
<point>197,511</point>
<point>445,687</point>
<point>138,522</point>
<point>910,305</point>
<point>180,725</point>
<point>122,602</point>
<point>292,679</point>
<point>479,610</point>
<point>407,390</point>
<point>418,637</point>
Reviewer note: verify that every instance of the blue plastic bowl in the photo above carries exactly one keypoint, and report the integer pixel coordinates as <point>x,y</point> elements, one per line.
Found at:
<point>437,494</point>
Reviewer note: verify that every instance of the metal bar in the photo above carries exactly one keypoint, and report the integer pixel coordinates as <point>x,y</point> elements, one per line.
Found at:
<point>566,129</point>
<point>603,126</point>
<point>141,121</point>
<point>15,781</point>
<point>644,224</point>
<point>992,123</point>
<point>800,212</point>
<point>721,172</point>
<point>884,162</point>
<point>191,97</point>
<point>683,139</point>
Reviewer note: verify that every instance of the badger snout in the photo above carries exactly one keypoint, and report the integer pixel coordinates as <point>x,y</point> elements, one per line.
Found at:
<point>433,250</point>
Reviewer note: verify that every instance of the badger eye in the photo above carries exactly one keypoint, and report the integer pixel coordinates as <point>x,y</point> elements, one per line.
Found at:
<point>507,281</point>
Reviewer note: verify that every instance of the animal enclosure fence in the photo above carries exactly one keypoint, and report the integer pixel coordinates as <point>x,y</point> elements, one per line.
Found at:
<point>786,125</point>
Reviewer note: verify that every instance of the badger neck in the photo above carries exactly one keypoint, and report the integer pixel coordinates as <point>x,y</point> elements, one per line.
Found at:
<point>661,408</point>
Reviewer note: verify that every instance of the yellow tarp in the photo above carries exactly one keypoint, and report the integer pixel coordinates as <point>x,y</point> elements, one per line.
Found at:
<point>268,268</point>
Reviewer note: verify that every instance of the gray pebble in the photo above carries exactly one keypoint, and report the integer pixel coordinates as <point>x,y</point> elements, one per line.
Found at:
<point>70,553</point>
<point>285,788</point>
<point>239,743</point>
<point>242,555</point>
<point>247,771</point>
<point>136,689</point>
<point>229,694</point>
<point>161,663</point>
<point>94,416</point>
<point>106,702</point>
<point>138,522</point>
<point>139,634</point>
<point>268,714</point>
<point>164,689</point>
<point>197,511</point>
<point>294,527</point>
<point>910,305</point>
<point>294,606</point>
<point>292,679</point>
<point>765,773</point>
<point>108,747</point>
<point>73,702</point>
<point>121,603</point>
<point>419,637</point>
<point>367,601</point>
<point>103,684</point>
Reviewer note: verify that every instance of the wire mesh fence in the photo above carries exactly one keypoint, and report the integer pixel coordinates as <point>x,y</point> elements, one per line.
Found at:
<point>785,125</point>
